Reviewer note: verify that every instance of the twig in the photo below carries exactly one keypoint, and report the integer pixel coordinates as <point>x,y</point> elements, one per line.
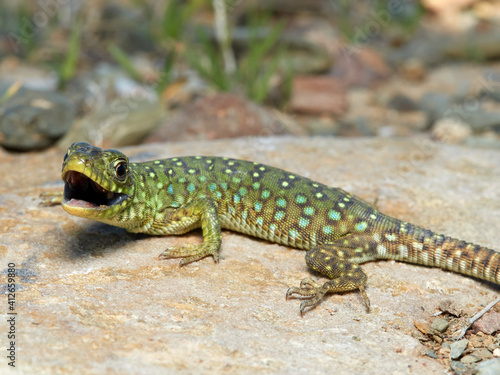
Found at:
<point>223,37</point>
<point>471,321</point>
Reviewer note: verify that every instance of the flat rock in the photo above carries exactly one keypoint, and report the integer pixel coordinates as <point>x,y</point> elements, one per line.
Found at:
<point>223,115</point>
<point>92,298</point>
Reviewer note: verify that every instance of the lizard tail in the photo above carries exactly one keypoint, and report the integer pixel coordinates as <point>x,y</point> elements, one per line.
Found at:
<point>417,245</point>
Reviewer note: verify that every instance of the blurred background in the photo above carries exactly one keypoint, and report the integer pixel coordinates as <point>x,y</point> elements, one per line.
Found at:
<point>117,73</point>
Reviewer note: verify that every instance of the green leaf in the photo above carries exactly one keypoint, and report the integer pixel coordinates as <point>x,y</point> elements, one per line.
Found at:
<point>68,67</point>
<point>124,61</point>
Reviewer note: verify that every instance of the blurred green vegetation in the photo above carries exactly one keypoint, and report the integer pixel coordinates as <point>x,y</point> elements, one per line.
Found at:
<point>21,33</point>
<point>204,55</point>
<point>67,68</point>
<point>180,39</point>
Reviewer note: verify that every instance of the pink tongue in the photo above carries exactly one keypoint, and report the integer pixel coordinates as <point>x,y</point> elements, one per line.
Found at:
<point>79,203</point>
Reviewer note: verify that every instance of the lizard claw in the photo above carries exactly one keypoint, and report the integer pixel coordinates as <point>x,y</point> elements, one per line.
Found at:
<point>189,253</point>
<point>49,198</point>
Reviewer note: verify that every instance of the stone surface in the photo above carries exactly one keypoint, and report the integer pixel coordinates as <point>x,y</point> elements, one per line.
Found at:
<point>94,299</point>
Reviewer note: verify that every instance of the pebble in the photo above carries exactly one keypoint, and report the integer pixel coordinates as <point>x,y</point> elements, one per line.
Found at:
<point>451,130</point>
<point>458,366</point>
<point>489,323</point>
<point>402,103</point>
<point>33,119</point>
<point>469,359</point>
<point>318,95</point>
<point>431,353</point>
<point>457,348</point>
<point>435,104</point>
<point>440,324</point>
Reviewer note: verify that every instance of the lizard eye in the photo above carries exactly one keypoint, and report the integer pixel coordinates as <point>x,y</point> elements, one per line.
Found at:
<point>121,170</point>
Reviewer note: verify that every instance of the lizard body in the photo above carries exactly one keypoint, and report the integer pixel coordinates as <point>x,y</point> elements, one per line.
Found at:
<point>338,230</point>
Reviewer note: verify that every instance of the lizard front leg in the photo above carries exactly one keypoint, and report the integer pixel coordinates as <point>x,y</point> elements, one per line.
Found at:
<point>338,261</point>
<point>49,198</point>
<point>201,212</point>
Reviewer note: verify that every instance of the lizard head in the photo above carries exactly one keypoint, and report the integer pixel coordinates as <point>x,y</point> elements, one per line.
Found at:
<point>97,183</point>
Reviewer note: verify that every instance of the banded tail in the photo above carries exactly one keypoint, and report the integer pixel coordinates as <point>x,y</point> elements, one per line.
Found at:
<point>414,244</point>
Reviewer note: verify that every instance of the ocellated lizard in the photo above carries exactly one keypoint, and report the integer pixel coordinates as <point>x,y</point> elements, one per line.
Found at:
<point>338,230</point>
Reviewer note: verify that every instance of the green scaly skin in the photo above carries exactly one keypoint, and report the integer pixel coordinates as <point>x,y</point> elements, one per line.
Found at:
<point>338,230</point>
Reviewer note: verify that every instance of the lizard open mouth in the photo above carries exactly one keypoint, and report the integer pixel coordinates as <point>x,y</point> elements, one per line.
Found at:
<point>81,191</point>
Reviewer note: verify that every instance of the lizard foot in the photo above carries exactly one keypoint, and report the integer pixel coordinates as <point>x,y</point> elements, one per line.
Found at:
<point>49,198</point>
<point>314,291</point>
<point>336,262</point>
<point>190,253</point>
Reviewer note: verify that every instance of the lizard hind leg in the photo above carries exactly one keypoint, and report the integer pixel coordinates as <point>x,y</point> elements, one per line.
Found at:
<point>334,262</point>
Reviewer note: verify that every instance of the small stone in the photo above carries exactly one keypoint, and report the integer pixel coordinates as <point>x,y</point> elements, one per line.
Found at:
<point>431,353</point>
<point>318,95</point>
<point>413,70</point>
<point>471,358</point>
<point>422,326</point>
<point>437,339</point>
<point>33,119</point>
<point>491,345</point>
<point>457,348</point>
<point>450,306</point>
<point>489,323</point>
<point>496,352</point>
<point>440,325</point>
<point>116,123</point>
<point>457,366</point>
<point>481,121</point>
<point>402,103</point>
<point>435,105</point>
<point>483,353</point>
<point>451,130</point>
<point>361,67</point>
